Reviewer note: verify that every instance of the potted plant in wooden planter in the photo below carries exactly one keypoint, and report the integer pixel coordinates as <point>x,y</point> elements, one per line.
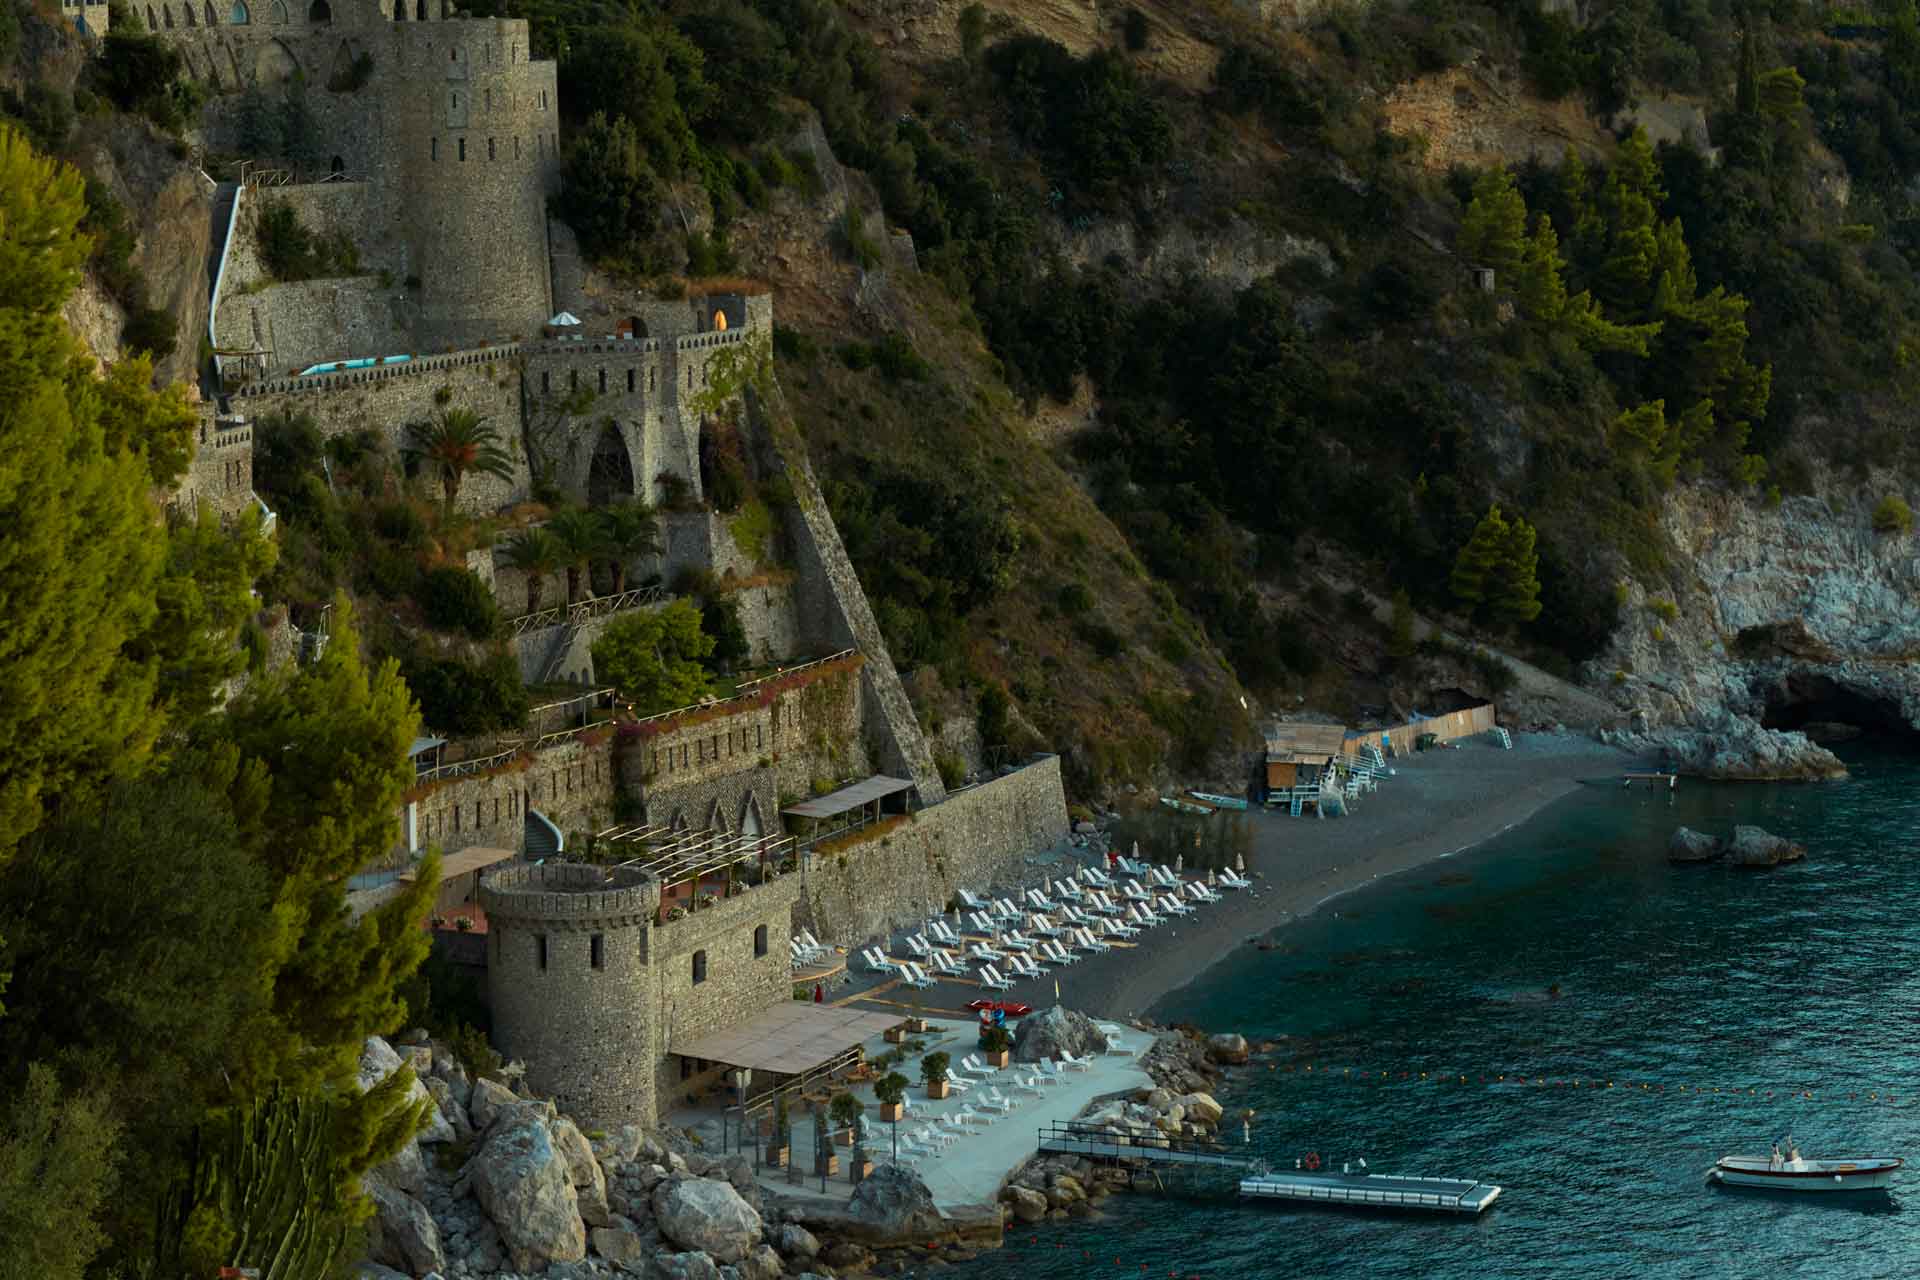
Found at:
<point>779,1145</point>
<point>996,1043</point>
<point>917,1024</point>
<point>826,1161</point>
<point>897,1035</point>
<point>891,1089</point>
<point>933,1074</point>
<point>845,1110</point>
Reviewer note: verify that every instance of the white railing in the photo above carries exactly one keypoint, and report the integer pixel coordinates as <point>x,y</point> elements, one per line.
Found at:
<point>574,615</point>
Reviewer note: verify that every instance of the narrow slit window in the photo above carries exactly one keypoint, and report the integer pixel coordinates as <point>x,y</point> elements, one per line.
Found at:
<point>598,949</point>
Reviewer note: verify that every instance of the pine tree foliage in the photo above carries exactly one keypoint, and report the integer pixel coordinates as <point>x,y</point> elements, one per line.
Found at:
<point>56,1174</point>
<point>78,561</point>
<point>1494,231</point>
<point>1513,587</point>
<point>1479,560</point>
<point>654,657</point>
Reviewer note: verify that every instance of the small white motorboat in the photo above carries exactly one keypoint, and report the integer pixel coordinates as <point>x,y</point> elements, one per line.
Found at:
<point>1793,1172</point>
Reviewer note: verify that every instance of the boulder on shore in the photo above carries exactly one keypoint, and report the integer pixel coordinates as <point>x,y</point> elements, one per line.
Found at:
<point>1051,1032</point>
<point>706,1215</point>
<point>1228,1047</point>
<point>1757,847</point>
<point>378,1061</point>
<point>402,1233</point>
<point>1688,845</point>
<point>524,1184</point>
<point>1028,1205</point>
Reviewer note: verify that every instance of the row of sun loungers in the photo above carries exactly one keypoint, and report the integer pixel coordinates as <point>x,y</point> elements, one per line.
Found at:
<point>1085,913</point>
<point>982,1100</point>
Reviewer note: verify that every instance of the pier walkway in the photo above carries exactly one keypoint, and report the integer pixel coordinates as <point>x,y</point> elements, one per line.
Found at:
<point>1373,1191</point>
<point>1073,1139</point>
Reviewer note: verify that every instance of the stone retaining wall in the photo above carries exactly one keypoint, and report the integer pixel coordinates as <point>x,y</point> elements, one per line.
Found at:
<point>974,838</point>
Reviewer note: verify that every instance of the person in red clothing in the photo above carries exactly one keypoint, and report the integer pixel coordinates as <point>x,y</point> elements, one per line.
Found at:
<point>819,993</point>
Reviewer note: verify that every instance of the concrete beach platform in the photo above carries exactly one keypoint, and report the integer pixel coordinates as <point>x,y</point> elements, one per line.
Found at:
<point>1374,1191</point>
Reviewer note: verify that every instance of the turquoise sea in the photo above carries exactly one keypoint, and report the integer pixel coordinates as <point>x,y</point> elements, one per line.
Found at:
<point>1676,978</point>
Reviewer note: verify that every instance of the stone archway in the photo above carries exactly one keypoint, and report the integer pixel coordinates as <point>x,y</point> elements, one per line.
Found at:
<point>275,66</point>
<point>750,824</point>
<point>610,469</point>
<point>717,819</point>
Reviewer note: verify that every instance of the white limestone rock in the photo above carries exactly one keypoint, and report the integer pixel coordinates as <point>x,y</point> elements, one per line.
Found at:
<point>710,1216</point>
<point>402,1233</point>
<point>378,1061</point>
<point>526,1187</point>
<point>589,1182</point>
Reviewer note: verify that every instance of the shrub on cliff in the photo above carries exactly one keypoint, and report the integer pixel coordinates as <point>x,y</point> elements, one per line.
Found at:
<point>609,194</point>
<point>654,657</point>
<point>1893,515</point>
<point>454,599</point>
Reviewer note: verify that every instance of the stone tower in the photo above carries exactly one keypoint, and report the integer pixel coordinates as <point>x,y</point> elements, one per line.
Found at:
<point>568,980</point>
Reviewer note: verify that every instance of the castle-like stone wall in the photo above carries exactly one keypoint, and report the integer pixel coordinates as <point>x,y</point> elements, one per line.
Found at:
<point>737,984</point>
<point>221,474</point>
<point>571,987</point>
<point>976,837</point>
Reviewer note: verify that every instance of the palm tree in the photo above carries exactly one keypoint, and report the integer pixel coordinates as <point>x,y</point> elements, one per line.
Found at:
<point>454,443</point>
<point>579,534</point>
<point>628,530</point>
<point>536,553</point>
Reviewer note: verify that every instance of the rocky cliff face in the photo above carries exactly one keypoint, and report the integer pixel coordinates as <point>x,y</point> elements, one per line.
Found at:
<point>1797,614</point>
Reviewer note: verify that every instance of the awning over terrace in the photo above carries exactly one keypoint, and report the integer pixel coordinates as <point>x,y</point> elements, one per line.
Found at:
<point>857,796</point>
<point>791,1039</point>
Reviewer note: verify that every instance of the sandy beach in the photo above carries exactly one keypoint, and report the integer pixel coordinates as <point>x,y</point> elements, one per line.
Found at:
<point>1437,803</point>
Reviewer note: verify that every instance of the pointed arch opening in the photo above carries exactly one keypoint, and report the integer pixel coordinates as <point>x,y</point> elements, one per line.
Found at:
<point>319,11</point>
<point>610,472</point>
<point>420,11</point>
<point>717,818</point>
<point>239,15</point>
<point>750,818</point>
<point>212,20</point>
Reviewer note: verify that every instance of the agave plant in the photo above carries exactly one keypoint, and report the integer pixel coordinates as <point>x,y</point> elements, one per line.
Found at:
<point>454,443</point>
<point>536,553</point>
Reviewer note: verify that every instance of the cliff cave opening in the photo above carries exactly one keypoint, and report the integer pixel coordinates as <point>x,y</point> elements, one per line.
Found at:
<point>1829,712</point>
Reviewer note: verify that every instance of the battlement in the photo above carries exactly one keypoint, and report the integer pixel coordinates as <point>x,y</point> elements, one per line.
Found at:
<point>570,896</point>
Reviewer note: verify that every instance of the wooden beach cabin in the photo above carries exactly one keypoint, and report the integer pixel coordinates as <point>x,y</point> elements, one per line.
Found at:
<point>1300,756</point>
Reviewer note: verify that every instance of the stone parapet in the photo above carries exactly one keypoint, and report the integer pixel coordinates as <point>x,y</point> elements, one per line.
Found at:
<point>569,896</point>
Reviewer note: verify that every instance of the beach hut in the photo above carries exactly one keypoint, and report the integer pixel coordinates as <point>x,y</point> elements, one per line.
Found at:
<point>1299,755</point>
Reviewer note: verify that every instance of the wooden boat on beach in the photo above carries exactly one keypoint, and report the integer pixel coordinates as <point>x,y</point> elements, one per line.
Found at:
<point>1858,1173</point>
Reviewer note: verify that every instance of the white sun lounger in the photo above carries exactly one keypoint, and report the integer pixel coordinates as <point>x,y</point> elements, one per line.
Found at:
<point>1005,910</point>
<point>1115,929</point>
<point>1026,1084</point>
<point>1164,877</point>
<point>1016,941</point>
<point>1133,892</point>
<point>1043,926</point>
<point>976,1065</point>
<point>1070,1063</point>
<point>984,923</point>
<point>1090,943</point>
<point>981,951</point>
<point>916,976</point>
<point>1057,953</point>
<point>947,965</point>
<point>1234,881</point>
<point>1172,904</point>
<point>973,901</point>
<point>1106,906</point>
<point>994,1100</point>
<point>991,979</point>
<point>959,1084</point>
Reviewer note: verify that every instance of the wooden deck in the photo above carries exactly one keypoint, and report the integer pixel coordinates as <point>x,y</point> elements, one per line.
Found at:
<point>1651,779</point>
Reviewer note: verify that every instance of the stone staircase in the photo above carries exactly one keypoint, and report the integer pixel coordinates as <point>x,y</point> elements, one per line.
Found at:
<point>543,840</point>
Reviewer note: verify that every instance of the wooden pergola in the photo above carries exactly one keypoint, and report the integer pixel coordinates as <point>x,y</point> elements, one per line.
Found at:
<point>690,857</point>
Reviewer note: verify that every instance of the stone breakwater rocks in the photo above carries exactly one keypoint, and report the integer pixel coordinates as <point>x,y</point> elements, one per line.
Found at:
<point>522,1191</point>
<point>1044,1036</point>
<point>1732,748</point>
<point>1748,846</point>
<point>1186,1067</point>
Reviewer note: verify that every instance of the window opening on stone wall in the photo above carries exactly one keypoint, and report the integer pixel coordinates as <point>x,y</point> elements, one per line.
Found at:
<point>420,10</point>
<point>759,941</point>
<point>463,148</point>
<point>453,55</point>
<point>540,949</point>
<point>489,148</point>
<point>436,148</point>
<point>486,99</point>
<point>399,10</point>
<point>545,382</point>
<point>239,15</point>
<point>151,24</point>
<point>543,99</point>
<point>516,146</point>
<point>629,382</point>
<point>650,379</point>
<point>603,382</point>
<point>166,17</point>
<point>186,12</point>
<point>597,949</point>
<point>211,20</point>
<point>699,967</point>
<point>319,11</point>
<point>455,101</point>
<point>337,165</point>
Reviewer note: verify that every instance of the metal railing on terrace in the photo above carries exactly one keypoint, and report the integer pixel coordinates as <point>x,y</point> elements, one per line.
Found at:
<point>599,607</point>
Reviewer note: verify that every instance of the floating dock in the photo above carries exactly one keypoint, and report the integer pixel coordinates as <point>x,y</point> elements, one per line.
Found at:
<point>1373,1191</point>
<point>1671,780</point>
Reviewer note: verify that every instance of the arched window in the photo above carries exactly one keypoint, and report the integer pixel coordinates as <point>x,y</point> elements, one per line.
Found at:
<point>453,55</point>
<point>319,11</point>
<point>597,950</point>
<point>279,16</point>
<point>759,941</point>
<point>211,20</point>
<point>463,148</point>
<point>399,10</point>
<point>239,16</point>
<point>420,11</point>
<point>699,967</point>
<point>186,14</point>
<point>152,25</point>
<point>490,154</point>
<point>436,149</point>
<point>338,165</point>
<point>166,17</point>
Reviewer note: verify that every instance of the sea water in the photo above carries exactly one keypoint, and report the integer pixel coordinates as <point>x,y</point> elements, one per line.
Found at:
<point>1672,982</point>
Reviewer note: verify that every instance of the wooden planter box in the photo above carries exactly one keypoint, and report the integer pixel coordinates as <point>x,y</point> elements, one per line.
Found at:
<point>858,1168</point>
<point>829,1165</point>
<point>896,1035</point>
<point>999,1060</point>
<point>844,1137</point>
<point>918,1026</point>
<point>777,1156</point>
<point>937,1090</point>
<point>892,1112</point>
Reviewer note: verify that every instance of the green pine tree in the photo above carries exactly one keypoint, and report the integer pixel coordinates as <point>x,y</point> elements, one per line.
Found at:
<point>655,658</point>
<point>1746,92</point>
<point>1513,588</point>
<point>1474,567</point>
<point>1494,231</point>
<point>1543,293</point>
